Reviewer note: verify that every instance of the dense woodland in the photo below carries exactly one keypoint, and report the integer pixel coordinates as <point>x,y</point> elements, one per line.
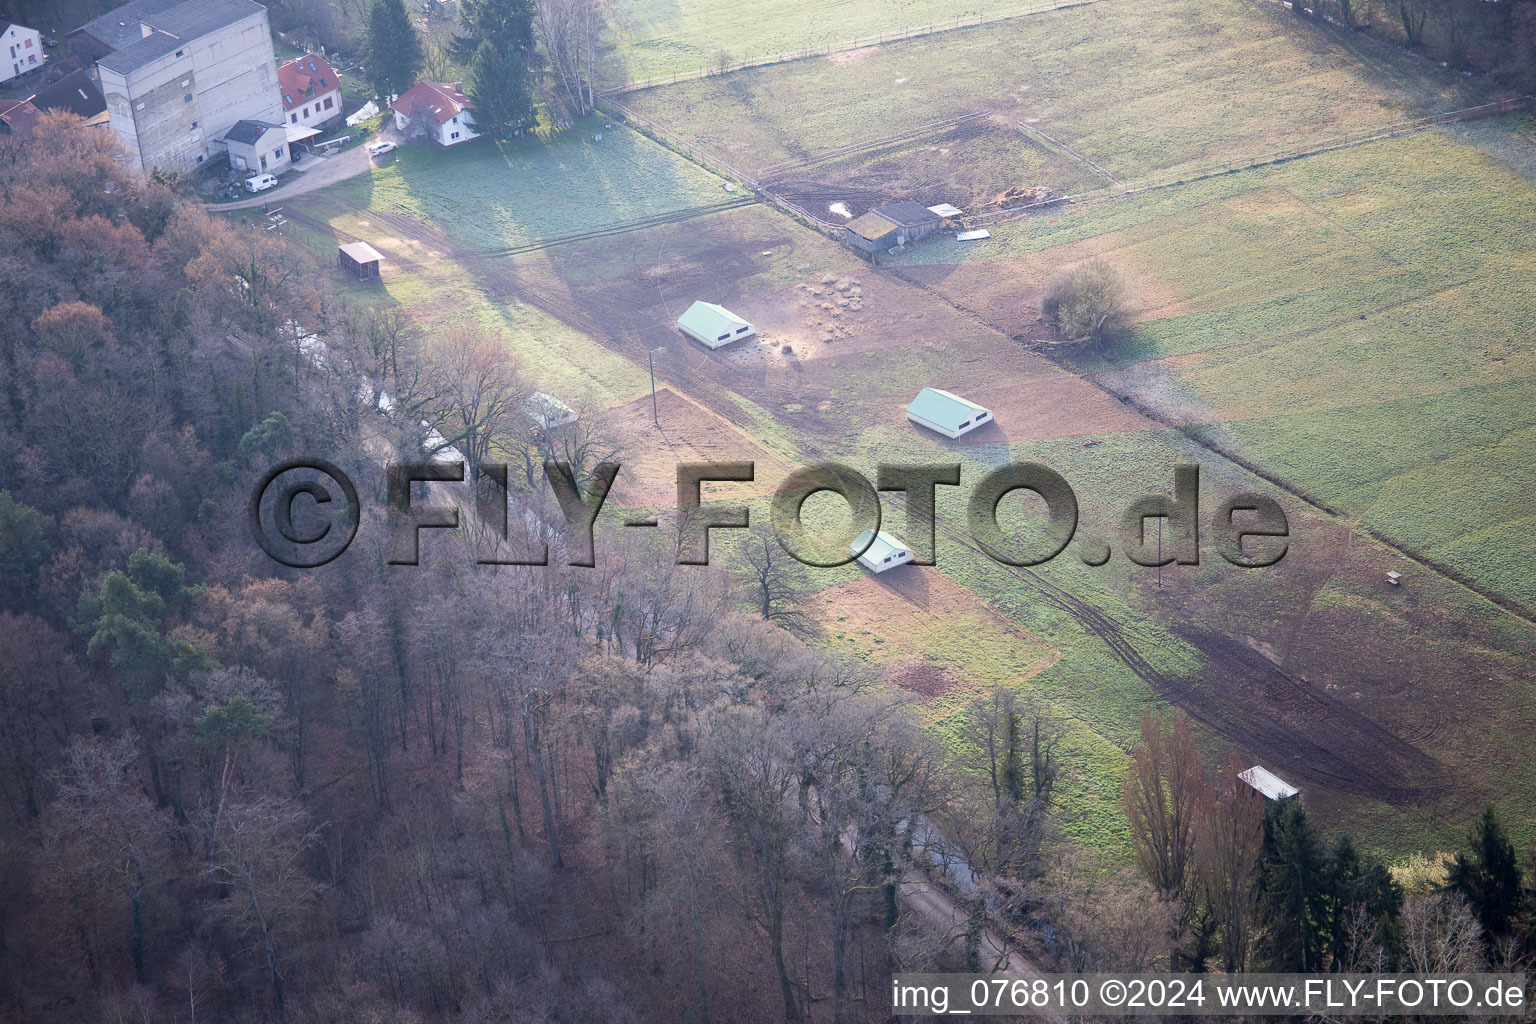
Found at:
<point>370,792</point>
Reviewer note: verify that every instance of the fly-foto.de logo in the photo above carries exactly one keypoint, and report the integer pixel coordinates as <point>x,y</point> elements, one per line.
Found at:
<point>305,512</point>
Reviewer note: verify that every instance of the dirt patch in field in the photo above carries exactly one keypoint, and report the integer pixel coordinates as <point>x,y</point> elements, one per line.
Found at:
<point>852,56</point>
<point>983,163</point>
<point>930,637</point>
<point>1057,405</point>
<point>917,675</point>
<point>688,433</point>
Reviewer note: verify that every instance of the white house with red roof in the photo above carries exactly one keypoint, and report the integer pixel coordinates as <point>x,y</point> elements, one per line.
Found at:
<point>437,111</point>
<point>311,91</point>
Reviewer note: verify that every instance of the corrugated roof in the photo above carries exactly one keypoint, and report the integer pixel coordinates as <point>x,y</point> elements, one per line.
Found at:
<point>362,252</point>
<point>882,545</point>
<point>1268,783</point>
<point>710,320</point>
<point>872,226</point>
<point>943,408</point>
<point>945,210</point>
<point>548,411</point>
<point>907,214</point>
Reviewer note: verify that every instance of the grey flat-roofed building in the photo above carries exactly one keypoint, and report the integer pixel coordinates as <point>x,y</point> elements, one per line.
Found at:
<point>177,76</point>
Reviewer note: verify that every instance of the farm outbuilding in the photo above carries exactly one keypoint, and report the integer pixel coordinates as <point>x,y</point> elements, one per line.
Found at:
<point>947,413</point>
<point>359,259</point>
<point>888,226</point>
<point>883,552</point>
<point>548,411</point>
<point>714,326</point>
<point>1268,784</point>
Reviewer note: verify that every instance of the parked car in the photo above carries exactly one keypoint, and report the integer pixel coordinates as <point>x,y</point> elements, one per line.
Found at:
<point>381,147</point>
<point>260,183</point>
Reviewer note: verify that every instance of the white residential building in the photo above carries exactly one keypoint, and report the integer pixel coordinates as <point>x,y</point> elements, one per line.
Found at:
<point>311,91</point>
<point>437,111</point>
<point>22,48</point>
<point>178,76</point>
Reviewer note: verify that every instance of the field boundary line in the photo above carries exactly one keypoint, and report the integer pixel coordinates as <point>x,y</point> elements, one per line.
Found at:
<point>1355,522</point>
<point>1483,111</point>
<point>791,56</point>
<point>1057,146</point>
<point>671,140</point>
<point>911,135</point>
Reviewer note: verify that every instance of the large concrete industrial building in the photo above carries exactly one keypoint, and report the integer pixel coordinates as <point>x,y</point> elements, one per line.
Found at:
<point>178,75</point>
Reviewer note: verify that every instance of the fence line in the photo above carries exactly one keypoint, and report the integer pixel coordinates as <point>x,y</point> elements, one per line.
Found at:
<point>1119,190</point>
<point>788,56</point>
<point>773,170</point>
<point>1333,144</point>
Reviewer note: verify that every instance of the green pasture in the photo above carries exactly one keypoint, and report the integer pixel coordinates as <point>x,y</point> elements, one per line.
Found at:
<point>1357,323</point>
<point>681,37</point>
<point>489,197</point>
<point>1140,88</point>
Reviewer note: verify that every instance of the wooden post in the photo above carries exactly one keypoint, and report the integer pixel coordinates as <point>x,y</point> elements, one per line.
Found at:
<point>655,412</point>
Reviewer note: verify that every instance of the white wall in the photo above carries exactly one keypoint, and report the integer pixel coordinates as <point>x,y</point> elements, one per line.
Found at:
<point>231,75</point>
<point>21,50</point>
<point>311,112</point>
<point>465,129</point>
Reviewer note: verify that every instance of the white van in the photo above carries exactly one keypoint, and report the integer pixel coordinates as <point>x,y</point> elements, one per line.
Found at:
<point>260,183</point>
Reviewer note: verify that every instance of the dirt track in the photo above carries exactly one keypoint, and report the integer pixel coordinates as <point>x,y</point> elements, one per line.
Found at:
<point>1264,711</point>
<point>937,907</point>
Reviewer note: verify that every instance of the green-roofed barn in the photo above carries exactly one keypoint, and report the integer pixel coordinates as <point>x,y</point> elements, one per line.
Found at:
<point>883,551</point>
<point>949,414</point>
<point>713,325</point>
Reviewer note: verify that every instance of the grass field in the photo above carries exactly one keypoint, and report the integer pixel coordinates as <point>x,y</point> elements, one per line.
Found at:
<point>1138,88</point>
<point>1352,324</point>
<point>666,37</point>
<point>1404,265</point>
<point>492,197</point>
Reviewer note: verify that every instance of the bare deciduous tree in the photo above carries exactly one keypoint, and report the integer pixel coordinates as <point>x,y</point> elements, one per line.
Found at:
<point>1089,302</point>
<point>260,845</point>
<point>571,33</point>
<point>1229,837</point>
<point>1161,793</point>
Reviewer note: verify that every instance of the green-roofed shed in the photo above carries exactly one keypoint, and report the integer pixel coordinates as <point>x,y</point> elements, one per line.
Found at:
<point>713,325</point>
<point>949,414</point>
<point>882,551</point>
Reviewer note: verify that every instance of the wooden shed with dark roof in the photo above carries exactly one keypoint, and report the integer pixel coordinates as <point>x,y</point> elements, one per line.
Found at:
<point>886,227</point>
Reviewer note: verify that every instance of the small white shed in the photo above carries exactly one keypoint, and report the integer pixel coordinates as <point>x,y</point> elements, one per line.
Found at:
<point>714,326</point>
<point>946,413</point>
<point>1267,783</point>
<point>884,551</point>
<point>548,411</point>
